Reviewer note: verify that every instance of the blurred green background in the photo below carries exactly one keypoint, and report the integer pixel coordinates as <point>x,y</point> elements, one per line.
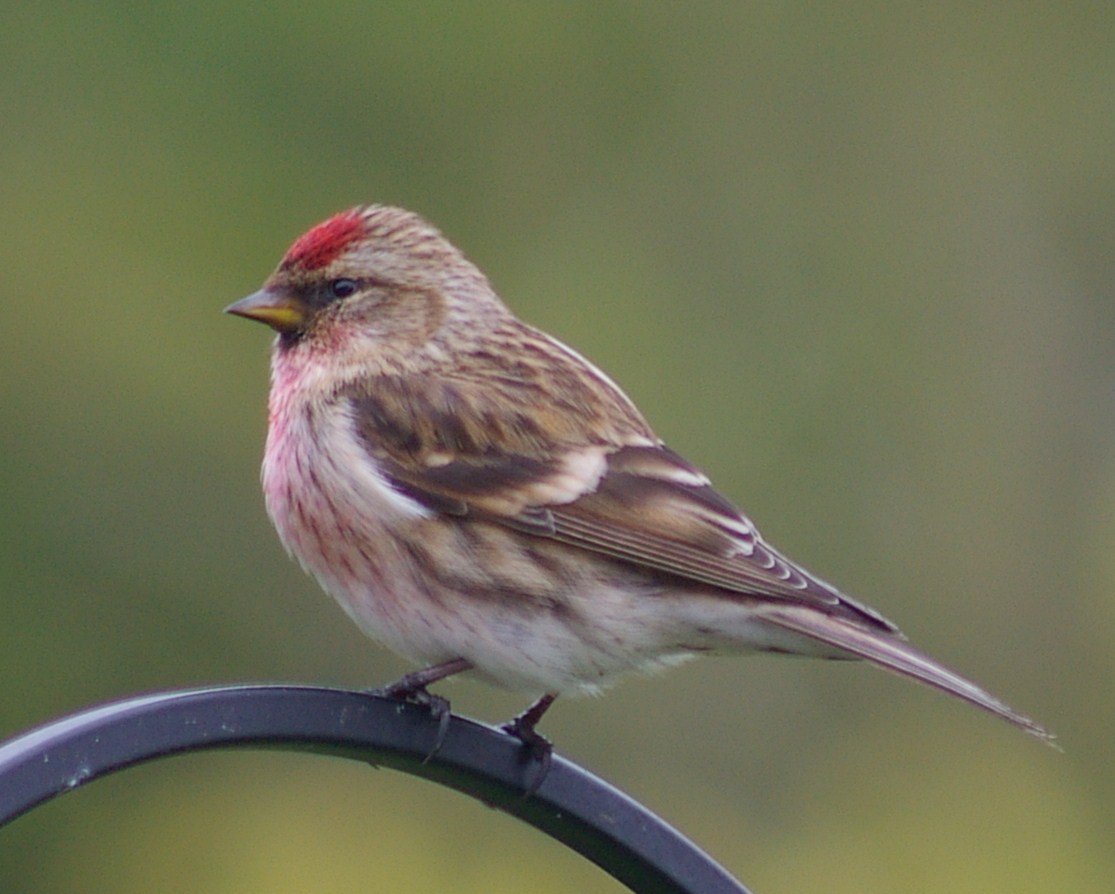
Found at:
<point>855,260</point>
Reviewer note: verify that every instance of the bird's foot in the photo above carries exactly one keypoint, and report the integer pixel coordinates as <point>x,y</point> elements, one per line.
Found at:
<point>536,746</point>
<point>412,688</point>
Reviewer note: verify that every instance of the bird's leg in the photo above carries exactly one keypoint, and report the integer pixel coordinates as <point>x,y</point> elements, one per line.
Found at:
<point>412,688</point>
<point>538,746</point>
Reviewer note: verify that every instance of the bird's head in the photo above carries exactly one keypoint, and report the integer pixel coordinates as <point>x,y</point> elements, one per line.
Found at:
<point>380,275</point>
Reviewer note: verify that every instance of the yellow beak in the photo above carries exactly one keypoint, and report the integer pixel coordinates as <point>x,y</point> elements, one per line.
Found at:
<point>281,311</point>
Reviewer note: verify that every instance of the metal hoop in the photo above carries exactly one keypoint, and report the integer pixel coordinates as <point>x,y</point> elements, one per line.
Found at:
<point>573,806</point>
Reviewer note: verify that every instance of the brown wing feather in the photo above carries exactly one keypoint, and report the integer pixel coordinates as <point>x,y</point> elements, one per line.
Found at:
<point>640,503</point>
<point>655,509</point>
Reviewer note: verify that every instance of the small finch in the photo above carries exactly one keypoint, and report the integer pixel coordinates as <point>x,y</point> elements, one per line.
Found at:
<point>482,499</point>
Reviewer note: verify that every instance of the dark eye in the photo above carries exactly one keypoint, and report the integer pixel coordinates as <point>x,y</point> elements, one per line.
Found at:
<point>342,288</point>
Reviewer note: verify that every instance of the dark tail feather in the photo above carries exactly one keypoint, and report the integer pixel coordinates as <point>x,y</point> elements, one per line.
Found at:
<point>894,654</point>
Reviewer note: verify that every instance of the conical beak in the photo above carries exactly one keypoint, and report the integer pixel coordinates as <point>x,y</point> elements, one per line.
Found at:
<point>282,311</point>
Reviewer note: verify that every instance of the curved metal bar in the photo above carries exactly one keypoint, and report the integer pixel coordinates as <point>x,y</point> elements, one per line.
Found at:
<point>573,806</point>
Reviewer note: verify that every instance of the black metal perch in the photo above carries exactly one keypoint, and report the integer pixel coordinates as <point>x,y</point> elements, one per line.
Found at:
<point>573,806</point>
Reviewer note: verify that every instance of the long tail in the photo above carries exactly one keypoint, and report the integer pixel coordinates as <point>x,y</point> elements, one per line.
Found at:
<point>894,654</point>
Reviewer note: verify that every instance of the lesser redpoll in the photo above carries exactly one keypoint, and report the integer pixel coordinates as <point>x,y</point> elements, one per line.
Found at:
<point>480,498</point>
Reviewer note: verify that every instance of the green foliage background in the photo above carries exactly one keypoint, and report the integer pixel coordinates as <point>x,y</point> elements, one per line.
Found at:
<point>855,259</point>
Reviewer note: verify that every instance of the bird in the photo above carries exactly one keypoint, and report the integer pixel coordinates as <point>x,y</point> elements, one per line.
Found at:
<point>483,500</point>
